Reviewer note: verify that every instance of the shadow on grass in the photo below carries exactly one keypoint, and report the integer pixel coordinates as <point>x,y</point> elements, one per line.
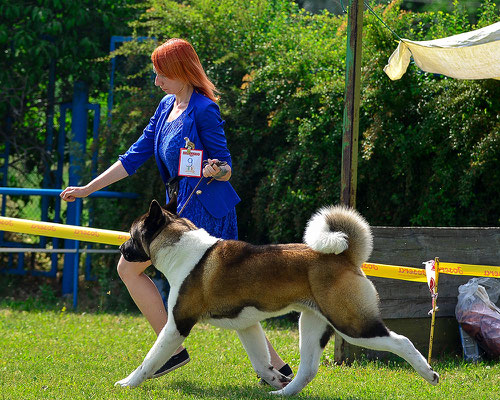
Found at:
<point>394,362</point>
<point>221,391</point>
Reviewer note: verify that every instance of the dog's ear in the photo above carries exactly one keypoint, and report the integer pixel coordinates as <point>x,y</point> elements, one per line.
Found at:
<point>155,217</point>
<point>155,208</point>
<point>172,205</point>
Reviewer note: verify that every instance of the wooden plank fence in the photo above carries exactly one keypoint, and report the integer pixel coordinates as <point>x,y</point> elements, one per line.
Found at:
<point>405,305</point>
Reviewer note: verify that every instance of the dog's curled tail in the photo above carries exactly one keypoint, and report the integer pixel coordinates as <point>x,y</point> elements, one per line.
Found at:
<point>338,229</point>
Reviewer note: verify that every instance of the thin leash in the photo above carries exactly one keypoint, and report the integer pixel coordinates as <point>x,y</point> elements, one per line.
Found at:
<point>205,163</point>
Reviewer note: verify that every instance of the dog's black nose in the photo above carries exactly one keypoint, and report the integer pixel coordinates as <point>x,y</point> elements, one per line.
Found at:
<point>122,248</point>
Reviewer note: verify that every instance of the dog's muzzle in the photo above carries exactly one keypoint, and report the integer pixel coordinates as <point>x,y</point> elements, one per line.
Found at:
<point>133,254</point>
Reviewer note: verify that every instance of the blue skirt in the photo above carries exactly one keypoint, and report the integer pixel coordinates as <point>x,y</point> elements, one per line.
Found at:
<point>223,228</point>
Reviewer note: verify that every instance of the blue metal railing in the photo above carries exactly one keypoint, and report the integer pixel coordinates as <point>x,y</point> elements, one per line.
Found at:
<point>53,179</point>
<point>74,246</point>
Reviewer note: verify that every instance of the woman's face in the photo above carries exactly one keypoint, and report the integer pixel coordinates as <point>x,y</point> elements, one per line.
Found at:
<point>169,86</point>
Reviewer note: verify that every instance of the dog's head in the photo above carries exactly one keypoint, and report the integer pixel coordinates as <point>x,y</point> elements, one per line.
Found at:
<point>156,222</point>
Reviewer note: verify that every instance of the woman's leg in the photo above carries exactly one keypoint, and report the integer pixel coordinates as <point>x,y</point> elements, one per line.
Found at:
<point>144,293</point>
<point>276,360</point>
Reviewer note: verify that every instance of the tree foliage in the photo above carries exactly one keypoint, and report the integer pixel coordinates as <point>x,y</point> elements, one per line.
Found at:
<point>35,34</point>
<point>429,145</point>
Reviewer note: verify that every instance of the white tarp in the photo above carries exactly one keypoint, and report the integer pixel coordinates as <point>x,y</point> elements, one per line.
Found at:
<point>469,55</point>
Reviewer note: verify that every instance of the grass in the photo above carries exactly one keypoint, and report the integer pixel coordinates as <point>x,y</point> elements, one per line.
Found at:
<point>57,354</point>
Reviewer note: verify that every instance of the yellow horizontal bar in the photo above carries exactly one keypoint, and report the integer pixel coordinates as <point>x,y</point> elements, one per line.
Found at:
<point>63,231</point>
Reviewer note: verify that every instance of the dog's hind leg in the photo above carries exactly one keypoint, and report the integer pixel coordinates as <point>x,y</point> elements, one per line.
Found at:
<point>254,342</point>
<point>314,335</point>
<point>403,347</point>
<point>167,342</point>
<point>351,305</point>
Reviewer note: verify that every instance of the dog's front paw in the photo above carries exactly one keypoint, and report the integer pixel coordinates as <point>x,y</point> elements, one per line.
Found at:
<point>133,380</point>
<point>274,378</point>
<point>435,378</point>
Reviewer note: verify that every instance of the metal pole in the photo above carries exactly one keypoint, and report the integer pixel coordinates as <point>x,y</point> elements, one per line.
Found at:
<point>350,128</point>
<point>76,258</point>
<point>79,125</point>
<point>47,179</point>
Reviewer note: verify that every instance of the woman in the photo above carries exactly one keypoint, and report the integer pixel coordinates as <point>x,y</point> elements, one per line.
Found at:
<point>187,138</point>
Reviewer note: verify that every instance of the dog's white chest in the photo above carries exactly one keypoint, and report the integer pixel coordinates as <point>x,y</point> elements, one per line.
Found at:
<point>177,261</point>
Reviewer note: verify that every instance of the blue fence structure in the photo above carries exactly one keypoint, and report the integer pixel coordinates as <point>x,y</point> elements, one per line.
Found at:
<point>53,179</point>
<point>112,47</point>
<point>79,109</point>
<point>71,248</point>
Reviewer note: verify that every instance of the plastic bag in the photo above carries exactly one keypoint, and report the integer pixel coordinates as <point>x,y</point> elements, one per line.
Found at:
<point>478,315</point>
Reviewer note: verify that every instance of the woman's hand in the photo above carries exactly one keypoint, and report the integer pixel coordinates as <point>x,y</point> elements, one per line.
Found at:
<point>71,193</point>
<point>217,169</point>
<point>111,175</point>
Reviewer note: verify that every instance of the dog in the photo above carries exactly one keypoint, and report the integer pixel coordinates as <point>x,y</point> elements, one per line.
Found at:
<point>235,285</point>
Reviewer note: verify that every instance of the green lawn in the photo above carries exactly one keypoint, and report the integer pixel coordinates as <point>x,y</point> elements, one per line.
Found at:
<point>66,355</point>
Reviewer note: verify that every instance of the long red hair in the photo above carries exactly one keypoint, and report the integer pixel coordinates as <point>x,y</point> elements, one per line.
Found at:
<point>177,59</point>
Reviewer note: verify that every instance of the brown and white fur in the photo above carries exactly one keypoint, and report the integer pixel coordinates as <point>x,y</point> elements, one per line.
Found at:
<point>235,285</point>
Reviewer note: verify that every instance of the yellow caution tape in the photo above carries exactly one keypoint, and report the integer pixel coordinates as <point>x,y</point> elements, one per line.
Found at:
<point>63,231</point>
<point>469,269</point>
<point>418,274</point>
<point>395,272</point>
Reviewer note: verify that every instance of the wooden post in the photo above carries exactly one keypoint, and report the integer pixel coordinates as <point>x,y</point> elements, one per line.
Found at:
<point>351,104</point>
<point>434,308</point>
<point>350,128</point>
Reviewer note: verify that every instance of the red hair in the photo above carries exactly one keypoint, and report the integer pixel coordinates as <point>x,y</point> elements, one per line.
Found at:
<point>177,59</point>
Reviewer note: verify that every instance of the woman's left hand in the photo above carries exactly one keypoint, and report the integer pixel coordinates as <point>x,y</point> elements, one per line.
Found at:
<point>217,169</point>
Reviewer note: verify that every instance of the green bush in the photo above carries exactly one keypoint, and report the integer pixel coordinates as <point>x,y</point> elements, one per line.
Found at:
<point>428,144</point>
<point>39,36</point>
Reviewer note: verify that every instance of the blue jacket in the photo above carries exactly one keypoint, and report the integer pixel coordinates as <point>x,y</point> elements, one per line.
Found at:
<point>204,127</point>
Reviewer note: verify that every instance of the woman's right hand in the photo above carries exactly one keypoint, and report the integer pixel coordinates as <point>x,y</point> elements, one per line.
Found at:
<point>71,193</point>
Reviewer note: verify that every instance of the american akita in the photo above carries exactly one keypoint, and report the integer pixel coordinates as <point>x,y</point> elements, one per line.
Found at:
<point>235,285</point>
